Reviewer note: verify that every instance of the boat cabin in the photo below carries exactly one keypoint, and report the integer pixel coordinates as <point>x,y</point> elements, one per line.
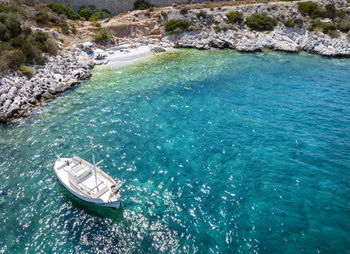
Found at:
<point>80,175</point>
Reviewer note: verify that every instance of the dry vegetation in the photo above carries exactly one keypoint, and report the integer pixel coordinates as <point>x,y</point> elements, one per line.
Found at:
<point>30,32</point>
<point>212,5</point>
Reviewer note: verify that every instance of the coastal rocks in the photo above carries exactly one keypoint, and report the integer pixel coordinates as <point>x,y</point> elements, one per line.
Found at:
<point>47,95</point>
<point>81,73</point>
<point>325,45</point>
<point>337,3</point>
<point>19,95</point>
<point>278,40</point>
<point>155,30</point>
<point>100,62</point>
<point>157,49</point>
<point>282,38</point>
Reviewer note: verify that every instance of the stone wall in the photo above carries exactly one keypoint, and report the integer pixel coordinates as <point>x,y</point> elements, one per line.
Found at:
<point>115,6</point>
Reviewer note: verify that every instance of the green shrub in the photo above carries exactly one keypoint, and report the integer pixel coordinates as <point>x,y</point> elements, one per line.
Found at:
<point>18,41</point>
<point>26,71</point>
<point>62,9</point>
<point>331,11</point>
<point>4,33</point>
<point>86,12</point>
<point>8,8</point>
<point>95,23</point>
<point>344,25</point>
<point>73,28</point>
<point>101,15</point>
<point>325,27</point>
<point>141,5</point>
<point>217,29</point>
<point>40,60</point>
<point>92,11</point>
<point>10,26</point>
<point>177,25</point>
<point>3,64</point>
<point>42,18</point>
<point>341,14</point>
<point>307,7</point>
<point>319,12</point>
<point>201,14</point>
<point>18,45</point>
<point>316,11</point>
<point>39,36</point>
<point>184,11</point>
<point>3,17</point>
<point>234,17</point>
<point>103,35</point>
<point>38,40</point>
<point>328,27</point>
<point>261,22</point>
<point>5,46</point>
<point>26,31</point>
<point>15,58</point>
<point>30,51</point>
<point>13,24</point>
<point>334,33</point>
<point>289,23</point>
<point>51,46</point>
<point>65,29</point>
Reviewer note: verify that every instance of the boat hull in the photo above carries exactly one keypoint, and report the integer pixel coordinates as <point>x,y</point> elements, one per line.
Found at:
<point>115,205</point>
<point>74,191</point>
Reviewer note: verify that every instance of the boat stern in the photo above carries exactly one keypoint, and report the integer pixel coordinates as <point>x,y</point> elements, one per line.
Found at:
<point>115,205</point>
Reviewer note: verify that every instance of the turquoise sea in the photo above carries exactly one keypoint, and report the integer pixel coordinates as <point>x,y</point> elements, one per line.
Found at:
<point>222,152</point>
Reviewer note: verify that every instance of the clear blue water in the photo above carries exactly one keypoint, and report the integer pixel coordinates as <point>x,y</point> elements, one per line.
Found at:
<point>222,152</point>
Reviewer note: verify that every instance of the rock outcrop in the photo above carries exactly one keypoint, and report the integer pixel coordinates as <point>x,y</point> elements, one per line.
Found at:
<point>282,38</point>
<point>20,95</point>
<point>241,38</point>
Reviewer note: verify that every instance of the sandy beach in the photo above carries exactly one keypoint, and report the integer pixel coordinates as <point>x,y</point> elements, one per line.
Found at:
<point>126,54</point>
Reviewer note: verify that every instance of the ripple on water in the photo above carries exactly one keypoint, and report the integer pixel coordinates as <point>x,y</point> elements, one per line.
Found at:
<point>222,152</point>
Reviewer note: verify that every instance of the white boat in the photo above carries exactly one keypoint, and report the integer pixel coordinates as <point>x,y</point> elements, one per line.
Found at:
<point>88,182</point>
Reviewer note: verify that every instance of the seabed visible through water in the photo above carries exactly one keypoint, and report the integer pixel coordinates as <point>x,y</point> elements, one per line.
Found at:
<point>222,152</point>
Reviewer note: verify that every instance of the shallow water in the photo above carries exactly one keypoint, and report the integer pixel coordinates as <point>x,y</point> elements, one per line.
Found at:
<point>222,152</point>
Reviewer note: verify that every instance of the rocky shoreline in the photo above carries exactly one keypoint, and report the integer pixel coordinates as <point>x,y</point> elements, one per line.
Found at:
<point>282,38</point>
<point>20,95</point>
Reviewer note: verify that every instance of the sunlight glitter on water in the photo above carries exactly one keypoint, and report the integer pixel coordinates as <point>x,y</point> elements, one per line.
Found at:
<point>221,151</point>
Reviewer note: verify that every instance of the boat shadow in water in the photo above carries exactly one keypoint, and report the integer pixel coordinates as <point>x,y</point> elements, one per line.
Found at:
<point>94,210</point>
<point>92,222</point>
